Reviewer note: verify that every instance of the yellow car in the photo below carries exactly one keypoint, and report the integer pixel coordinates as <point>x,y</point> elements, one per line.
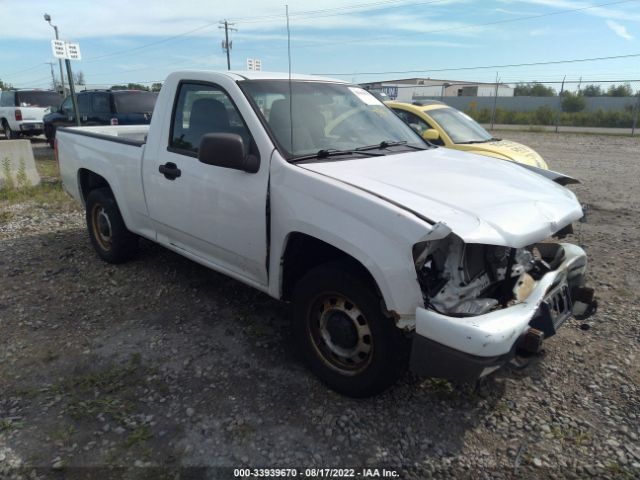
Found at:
<point>443,125</point>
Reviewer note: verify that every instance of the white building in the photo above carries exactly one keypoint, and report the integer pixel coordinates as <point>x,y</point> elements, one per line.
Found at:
<point>409,89</point>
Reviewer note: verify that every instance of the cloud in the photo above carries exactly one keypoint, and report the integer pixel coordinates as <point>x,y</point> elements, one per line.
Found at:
<point>539,32</point>
<point>623,11</point>
<point>619,30</point>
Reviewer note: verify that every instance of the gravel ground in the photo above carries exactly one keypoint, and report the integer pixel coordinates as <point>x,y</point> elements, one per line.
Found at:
<point>160,367</point>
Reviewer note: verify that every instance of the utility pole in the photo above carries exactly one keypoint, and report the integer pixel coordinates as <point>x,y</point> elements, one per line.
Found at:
<point>53,76</point>
<point>560,103</point>
<point>495,102</point>
<point>636,109</point>
<point>226,45</point>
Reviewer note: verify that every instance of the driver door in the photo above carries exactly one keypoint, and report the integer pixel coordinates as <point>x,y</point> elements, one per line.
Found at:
<point>215,214</point>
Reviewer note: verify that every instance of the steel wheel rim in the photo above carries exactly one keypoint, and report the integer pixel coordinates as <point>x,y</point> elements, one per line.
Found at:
<point>102,230</point>
<point>340,334</point>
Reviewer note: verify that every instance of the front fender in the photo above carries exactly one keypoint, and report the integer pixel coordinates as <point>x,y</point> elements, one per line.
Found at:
<point>376,233</point>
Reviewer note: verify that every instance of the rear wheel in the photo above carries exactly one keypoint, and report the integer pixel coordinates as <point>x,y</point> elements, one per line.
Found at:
<point>8,132</point>
<point>50,133</point>
<point>343,333</point>
<point>107,230</point>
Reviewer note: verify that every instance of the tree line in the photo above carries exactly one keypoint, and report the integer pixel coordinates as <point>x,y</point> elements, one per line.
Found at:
<point>539,90</point>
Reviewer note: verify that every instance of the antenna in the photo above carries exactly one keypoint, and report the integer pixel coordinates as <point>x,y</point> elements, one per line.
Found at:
<point>290,88</point>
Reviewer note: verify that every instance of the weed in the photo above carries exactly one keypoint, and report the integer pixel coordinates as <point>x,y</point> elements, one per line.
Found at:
<point>8,177</point>
<point>22,180</point>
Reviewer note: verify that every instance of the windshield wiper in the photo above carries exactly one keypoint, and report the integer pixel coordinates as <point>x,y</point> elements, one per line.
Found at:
<point>387,143</point>
<point>332,152</point>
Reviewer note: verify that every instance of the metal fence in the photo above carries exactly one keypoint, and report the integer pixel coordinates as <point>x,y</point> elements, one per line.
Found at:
<point>569,107</point>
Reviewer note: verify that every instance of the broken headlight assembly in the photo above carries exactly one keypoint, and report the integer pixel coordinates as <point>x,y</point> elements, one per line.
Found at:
<point>461,279</point>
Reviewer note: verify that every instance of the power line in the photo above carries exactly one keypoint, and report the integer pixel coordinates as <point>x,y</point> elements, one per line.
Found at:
<point>151,44</point>
<point>244,20</point>
<point>318,13</point>
<point>25,70</point>
<point>473,25</point>
<point>512,65</point>
<point>503,82</point>
<point>329,12</point>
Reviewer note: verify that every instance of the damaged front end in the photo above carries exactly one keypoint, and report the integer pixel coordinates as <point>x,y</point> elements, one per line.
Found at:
<point>484,302</point>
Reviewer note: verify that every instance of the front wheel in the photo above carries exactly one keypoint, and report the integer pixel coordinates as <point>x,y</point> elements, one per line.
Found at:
<point>343,333</point>
<point>107,230</point>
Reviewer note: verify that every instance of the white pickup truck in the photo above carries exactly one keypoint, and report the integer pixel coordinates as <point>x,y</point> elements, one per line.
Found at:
<point>21,111</point>
<point>309,189</point>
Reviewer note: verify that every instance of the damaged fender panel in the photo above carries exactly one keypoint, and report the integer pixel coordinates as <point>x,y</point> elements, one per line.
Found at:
<point>495,333</point>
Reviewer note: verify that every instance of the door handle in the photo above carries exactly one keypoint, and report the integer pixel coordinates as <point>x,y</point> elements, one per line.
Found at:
<point>170,171</point>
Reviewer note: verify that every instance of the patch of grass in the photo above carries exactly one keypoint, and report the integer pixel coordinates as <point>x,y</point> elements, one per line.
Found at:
<point>572,435</point>
<point>50,356</point>
<point>5,217</point>
<point>442,388</point>
<point>64,434</point>
<point>48,168</point>
<point>138,437</point>
<point>45,193</point>
<point>108,391</point>
<point>28,393</point>
<point>9,425</point>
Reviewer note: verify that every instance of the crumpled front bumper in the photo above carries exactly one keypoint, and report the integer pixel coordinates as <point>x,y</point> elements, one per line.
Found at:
<point>467,348</point>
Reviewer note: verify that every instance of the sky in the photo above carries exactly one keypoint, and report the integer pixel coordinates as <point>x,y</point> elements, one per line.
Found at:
<point>357,40</point>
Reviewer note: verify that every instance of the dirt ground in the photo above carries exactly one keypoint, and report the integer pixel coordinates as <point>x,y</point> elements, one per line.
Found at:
<point>160,368</point>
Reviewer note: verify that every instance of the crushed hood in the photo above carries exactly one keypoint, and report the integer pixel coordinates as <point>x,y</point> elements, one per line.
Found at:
<point>491,202</point>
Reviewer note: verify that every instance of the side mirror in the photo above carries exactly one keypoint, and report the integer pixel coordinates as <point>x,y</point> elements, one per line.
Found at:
<point>431,134</point>
<point>227,150</point>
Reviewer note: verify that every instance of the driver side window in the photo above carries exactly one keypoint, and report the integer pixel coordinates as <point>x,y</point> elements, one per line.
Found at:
<point>202,109</point>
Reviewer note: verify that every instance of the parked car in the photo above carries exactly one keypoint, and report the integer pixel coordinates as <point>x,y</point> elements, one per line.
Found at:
<point>102,107</point>
<point>451,128</point>
<point>377,239</point>
<point>21,111</point>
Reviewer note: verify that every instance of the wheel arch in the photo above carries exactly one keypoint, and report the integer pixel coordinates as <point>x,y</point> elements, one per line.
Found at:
<point>89,180</point>
<point>302,252</point>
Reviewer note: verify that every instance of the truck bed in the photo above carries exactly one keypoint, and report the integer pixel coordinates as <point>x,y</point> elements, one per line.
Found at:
<point>129,134</point>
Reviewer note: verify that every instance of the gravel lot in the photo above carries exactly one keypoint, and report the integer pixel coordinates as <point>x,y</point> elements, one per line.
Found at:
<point>160,365</point>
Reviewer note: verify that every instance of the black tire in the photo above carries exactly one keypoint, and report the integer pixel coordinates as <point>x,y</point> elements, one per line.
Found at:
<point>50,133</point>
<point>8,133</point>
<point>107,231</point>
<point>335,309</point>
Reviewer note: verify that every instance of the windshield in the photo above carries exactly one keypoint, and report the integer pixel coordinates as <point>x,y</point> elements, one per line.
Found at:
<point>326,116</point>
<point>460,127</point>
<point>135,101</point>
<point>38,99</point>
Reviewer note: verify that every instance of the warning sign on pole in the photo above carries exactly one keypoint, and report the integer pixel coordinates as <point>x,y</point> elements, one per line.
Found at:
<point>59,48</point>
<point>66,50</point>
